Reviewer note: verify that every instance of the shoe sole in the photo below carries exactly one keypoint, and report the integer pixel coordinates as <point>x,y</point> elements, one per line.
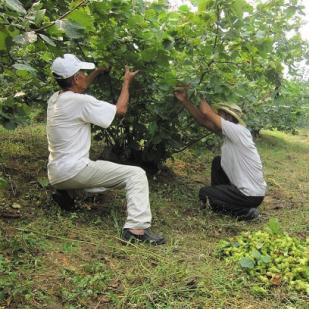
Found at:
<point>134,240</point>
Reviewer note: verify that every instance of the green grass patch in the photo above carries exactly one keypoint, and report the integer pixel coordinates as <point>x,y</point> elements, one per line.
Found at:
<point>54,259</point>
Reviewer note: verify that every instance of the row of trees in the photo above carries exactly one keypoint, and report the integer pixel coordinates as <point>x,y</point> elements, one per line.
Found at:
<point>226,49</point>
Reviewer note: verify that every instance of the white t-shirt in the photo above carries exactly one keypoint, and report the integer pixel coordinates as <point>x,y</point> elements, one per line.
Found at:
<point>69,116</point>
<point>240,159</point>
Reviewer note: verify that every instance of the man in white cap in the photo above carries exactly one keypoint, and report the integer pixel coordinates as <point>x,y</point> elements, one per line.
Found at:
<point>69,116</point>
<point>237,183</point>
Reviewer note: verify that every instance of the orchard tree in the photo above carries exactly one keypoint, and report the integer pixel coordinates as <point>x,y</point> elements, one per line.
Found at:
<point>225,50</point>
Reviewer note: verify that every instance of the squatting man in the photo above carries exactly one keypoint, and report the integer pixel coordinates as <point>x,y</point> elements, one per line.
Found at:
<point>237,183</point>
<point>70,114</point>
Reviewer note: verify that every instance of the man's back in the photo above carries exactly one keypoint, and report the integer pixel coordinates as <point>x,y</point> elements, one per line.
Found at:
<point>241,161</point>
<point>69,116</point>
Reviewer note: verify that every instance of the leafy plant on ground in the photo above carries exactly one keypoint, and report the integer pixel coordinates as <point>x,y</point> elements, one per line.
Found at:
<point>3,183</point>
<point>91,283</point>
<point>271,257</point>
<point>19,259</point>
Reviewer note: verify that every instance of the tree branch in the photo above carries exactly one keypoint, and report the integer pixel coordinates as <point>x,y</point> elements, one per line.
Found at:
<point>190,144</point>
<point>82,3</point>
<point>230,62</point>
<point>217,30</point>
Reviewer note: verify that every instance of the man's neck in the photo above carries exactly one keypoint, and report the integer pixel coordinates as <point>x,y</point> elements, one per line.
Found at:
<point>73,89</point>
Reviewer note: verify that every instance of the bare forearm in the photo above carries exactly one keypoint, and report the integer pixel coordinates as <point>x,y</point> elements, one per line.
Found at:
<point>198,116</point>
<point>193,111</point>
<point>92,76</point>
<point>123,100</point>
<point>210,115</point>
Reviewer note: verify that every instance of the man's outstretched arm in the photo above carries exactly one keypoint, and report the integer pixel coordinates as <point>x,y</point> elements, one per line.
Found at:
<point>123,100</point>
<point>211,115</point>
<point>200,116</point>
<point>95,73</point>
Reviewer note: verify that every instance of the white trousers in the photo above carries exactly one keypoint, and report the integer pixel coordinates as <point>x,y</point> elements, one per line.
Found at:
<point>105,174</point>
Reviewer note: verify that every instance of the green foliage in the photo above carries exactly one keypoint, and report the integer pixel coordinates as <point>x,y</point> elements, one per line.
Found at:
<point>17,251</point>
<point>3,183</point>
<point>274,226</point>
<point>226,50</point>
<point>90,284</point>
<point>272,258</point>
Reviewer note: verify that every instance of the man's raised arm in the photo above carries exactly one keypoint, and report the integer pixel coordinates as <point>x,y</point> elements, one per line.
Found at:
<point>211,115</point>
<point>201,116</point>
<point>123,100</point>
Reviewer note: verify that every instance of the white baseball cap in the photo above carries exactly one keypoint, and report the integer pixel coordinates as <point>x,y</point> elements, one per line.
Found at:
<point>69,65</point>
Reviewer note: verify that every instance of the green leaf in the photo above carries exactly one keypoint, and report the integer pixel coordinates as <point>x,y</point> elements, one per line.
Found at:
<point>152,128</point>
<point>246,262</point>
<point>266,259</point>
<point>3,183</point>
<point>15,5</point>
<point>149,54</point>
<point>3,38</point>
<point>24,67</point>
<point>204,5</point>
<point>47,40</point>
<point>83,18</point>
<point>259,291</point>
<point>274,226</point>
<point>71,29</point>
<point>239,7</point>
<point>184,8</point>
<point>43,181</point>
<point>39,16</point>
<point>256,254</point>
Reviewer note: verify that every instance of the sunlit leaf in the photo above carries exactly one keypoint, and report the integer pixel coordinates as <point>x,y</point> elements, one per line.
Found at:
<point>83,18</point>
<point>24,67</point>
<point>43,181</point>
<point>71,29</point>
<point>16,6</point>
<point>274,226</point>
<point>47,39</point>
<point>246,262</point>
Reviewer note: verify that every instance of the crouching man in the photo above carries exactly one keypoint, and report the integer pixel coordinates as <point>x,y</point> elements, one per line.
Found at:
<point>69,116</point>
<point>237,183</point>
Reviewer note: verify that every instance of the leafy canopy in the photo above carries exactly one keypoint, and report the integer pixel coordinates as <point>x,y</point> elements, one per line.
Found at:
<point>226,49</point>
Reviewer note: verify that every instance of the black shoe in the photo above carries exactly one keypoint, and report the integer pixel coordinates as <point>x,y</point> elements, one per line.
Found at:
<point>251,214</point>
<point>64,200</point>
<point>147,237</point>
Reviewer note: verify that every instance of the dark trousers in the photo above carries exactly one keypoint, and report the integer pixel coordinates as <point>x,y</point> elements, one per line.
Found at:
<point>225,197</point>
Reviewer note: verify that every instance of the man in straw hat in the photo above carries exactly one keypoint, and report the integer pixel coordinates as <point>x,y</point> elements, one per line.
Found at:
<point>237,183</point>
<point>70,114</point>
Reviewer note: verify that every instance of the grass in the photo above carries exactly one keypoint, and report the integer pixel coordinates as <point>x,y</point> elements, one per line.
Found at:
<point>52,259</point>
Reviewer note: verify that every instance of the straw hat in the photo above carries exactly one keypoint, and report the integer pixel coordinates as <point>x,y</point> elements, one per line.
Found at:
<point>232,109</point>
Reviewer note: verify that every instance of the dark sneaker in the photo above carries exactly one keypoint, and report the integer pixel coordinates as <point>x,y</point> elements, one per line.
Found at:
<point>251,214</point>
<point>148,237</point>
<point>64,200</point>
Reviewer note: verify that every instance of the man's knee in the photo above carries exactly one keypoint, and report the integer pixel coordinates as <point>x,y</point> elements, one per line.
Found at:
<point>137,172</point>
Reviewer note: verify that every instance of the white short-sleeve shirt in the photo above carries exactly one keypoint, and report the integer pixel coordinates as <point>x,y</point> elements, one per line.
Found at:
<point>69,116</point>
<point>240,159</point>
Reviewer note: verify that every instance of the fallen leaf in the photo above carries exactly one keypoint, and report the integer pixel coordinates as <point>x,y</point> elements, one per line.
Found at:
<point>276,280</point>
<point>16,206</point>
